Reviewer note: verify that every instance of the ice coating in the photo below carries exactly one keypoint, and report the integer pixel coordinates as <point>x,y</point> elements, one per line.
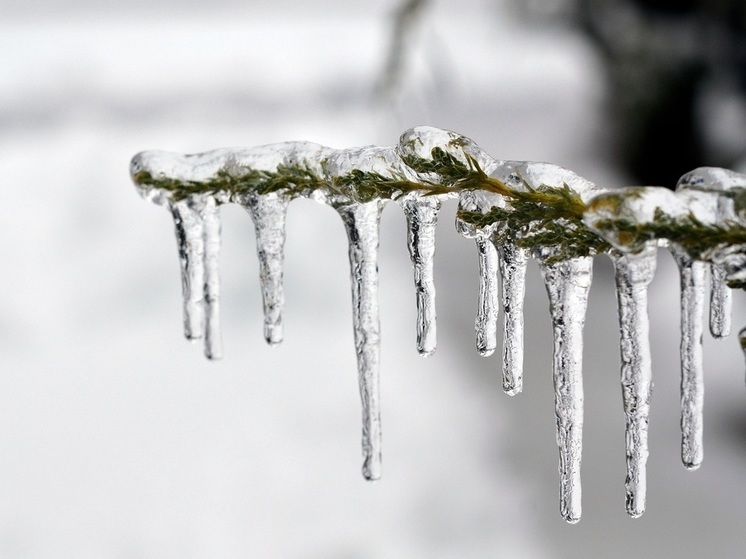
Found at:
<point>268,212</point>
<point>512,209</point>
<point>568,283</point>
<point>361,223</point>
<point>692,277</point>
<point>727,206</point>
<point>633,274</point>
<point>197,224</point>
<point>422,218</point>
<point>513,261</point>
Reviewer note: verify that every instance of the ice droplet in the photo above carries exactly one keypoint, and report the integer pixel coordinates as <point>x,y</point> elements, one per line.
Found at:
<point>634,272</point>
<point>720,302</point>
<point>268,211</point>
<point>692,277</point>
<point>197,224</point>
<point>422,218</point>
<point>513,262</point>
<point>361,223</point>
<point>568,283</point>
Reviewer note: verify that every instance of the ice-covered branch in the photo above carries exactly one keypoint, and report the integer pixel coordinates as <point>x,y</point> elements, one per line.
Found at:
<point>513,210</point>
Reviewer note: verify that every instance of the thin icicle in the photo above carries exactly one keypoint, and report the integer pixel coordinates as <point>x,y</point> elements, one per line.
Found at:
<point>197,222</point>
<point>720,302</point>
<point>268,211</point>
<point>361,222</point>
<point>486,323</point>
<point>513,262</point>
<point>568,283</point>
<point>190,240</point>
<point>692,275</point>
<point>211,220</point>
<point>634,272</point>
<point>422,218</point>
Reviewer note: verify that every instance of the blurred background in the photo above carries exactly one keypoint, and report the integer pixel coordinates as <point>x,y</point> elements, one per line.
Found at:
<point>118,439</point>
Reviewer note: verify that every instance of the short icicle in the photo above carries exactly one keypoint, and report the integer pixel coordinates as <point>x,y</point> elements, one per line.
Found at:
<point>742,340</point>
<point>568,283</point>
<point>720,302</point>
<point>422,218</point>
<point>211,230</point>
<point>362,223</point>
<point>268,212</point>
<point>692,276</point>
<point>190,241</point>
<point>513,261</point>
<point>634,272</point>
<point>486,322</point>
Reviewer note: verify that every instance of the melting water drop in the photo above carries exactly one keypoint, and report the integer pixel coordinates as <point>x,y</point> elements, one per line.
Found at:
<point>268,211</point>
<point>692,277</point>
<point>513,262</point>
<point>568,283</point>
<point>422,218</point>
<point>634,272</point>
<point>362,222</point>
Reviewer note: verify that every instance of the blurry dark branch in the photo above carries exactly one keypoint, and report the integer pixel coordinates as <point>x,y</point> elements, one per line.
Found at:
<point>405,19</point>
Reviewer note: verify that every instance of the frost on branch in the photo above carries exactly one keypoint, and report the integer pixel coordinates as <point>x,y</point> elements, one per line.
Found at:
<point>513,210</point>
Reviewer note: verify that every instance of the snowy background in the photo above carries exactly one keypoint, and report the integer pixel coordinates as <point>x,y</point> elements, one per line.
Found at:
<point>119,440</point>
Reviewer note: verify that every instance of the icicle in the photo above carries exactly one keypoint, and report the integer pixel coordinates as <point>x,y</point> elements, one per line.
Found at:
<point>361,222</point>
<point>568,283</point>
<point>513,261</point>
<point>197,224</point>
<point>486,323</point>
<point>211,219</point>
<point>692,378</point>
<point>634,272</point>
<point>190,240</point>
<point>422,217</point>
<point>720,302</point>
<point>268,211</point>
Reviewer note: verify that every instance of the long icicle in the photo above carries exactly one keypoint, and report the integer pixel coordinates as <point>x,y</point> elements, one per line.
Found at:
<point>190,241</point>
<point>422,218</point>
<point>486,322</point>
<point>209,211</point>
<point>268,212</point>
<point>634,272</point>
<point>692,276</point>
<point>720,302</point>
<point>568,283</point>
<point>362,223</point>
<point>513,262</point>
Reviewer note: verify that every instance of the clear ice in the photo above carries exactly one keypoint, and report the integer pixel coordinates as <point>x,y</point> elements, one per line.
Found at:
<point>361,223</point>
<point>422,218</point>
<point>197,224</point>
<point>633,274</point>
<point>568,283</point>
<point>357,182</point>
<point>692,278</point>
<point>513,262</point>
<point>268,211</point>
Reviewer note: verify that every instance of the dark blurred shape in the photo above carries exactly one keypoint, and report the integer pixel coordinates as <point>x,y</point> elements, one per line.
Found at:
<point>405,19</point>
<point>664,60</point>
